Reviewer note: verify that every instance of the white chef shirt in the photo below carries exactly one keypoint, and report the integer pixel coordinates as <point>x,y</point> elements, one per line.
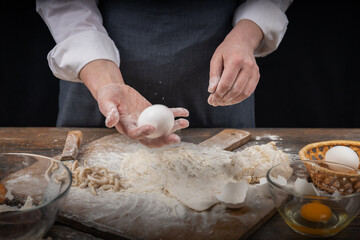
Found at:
<point>80,36</point>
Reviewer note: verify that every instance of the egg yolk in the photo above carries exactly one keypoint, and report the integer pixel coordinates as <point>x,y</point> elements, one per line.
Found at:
<point>316,212</point>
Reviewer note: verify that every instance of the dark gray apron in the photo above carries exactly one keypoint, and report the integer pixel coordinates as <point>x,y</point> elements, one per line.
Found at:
<point>165,50</point>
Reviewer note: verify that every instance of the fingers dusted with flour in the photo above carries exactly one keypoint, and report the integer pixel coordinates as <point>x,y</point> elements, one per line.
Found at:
<point>123,108</point>
<point>162,119</point>
<point>216,69</point>
<point>180,112</point>
<point>181,122</point>
<point>122,105</point>
<point>234,73</point>
<point>109,110</point>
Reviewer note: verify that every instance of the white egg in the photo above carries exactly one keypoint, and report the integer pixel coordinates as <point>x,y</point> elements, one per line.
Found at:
<point>233,194</point>
<point>343,155</point>
<point>159,116</point>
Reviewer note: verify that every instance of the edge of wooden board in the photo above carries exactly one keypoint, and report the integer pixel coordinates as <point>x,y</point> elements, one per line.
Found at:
<point>228,139</point>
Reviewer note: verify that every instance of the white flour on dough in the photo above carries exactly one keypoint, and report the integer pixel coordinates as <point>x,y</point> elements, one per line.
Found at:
<point>253,162</point>
<point>155,203</point>
<point>190,173</point>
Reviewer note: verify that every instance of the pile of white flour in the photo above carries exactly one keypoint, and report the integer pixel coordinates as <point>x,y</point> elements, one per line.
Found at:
<point>189,173</point>
<point>163,187</point>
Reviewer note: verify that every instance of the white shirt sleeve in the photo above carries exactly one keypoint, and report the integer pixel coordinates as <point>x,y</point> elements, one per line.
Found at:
<point>76,26</point>
<point>270,16</point>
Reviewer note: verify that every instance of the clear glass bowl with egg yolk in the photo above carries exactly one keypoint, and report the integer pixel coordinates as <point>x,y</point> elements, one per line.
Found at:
<point>304,207</point>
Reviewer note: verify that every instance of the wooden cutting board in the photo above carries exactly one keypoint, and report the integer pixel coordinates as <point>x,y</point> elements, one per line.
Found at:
<point>95,217</point>
<point>143,217</point>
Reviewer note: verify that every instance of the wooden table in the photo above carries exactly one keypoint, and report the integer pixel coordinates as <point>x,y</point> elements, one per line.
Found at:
<point>50,141</point>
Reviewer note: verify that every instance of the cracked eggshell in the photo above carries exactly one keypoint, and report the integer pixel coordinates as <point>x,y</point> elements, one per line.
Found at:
<point>159,116</point>
<point>303,187</point>
<point>233,194</point>
<point>279,180</point>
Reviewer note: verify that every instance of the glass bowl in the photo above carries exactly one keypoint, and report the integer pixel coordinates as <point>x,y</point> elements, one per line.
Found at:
<point>36,189</point>
<point>306,208</point>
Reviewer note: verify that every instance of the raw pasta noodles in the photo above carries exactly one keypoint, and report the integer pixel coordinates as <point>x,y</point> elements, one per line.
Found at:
<point>93,177</point>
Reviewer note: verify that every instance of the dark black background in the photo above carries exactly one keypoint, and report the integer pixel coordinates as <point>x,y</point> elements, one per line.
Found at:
<point>310,81</point>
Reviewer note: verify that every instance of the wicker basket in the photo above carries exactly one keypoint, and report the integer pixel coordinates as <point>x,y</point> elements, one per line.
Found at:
<point>325,178</point>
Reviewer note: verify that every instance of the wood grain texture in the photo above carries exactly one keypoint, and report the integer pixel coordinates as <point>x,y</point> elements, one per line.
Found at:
<point>50,142</point>
<point>60,231</point>
<point>228,139</point>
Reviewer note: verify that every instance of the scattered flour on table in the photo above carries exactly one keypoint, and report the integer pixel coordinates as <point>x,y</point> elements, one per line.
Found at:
<point>268,136</point>
<point>291,152</point>
<point>162,187</point>
<point>189,173</point>
<point>293,156</point>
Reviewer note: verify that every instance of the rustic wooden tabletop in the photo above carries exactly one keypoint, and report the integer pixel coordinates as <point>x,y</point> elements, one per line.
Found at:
<point>50,142</point>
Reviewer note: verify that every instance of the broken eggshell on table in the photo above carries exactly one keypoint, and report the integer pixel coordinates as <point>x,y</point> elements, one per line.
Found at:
<point>233,194</point>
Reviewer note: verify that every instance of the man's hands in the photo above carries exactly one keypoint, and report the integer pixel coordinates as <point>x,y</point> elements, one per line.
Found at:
<point>122,105</point>
<point>234,73</point>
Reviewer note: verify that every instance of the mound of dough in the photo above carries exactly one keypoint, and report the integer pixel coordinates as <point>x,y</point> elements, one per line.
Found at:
<point>253,162</point>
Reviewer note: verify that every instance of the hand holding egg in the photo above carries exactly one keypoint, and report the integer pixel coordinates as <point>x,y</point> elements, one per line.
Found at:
<point>159,116</point>
<point>162,119</point>
<point>122,106</point>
